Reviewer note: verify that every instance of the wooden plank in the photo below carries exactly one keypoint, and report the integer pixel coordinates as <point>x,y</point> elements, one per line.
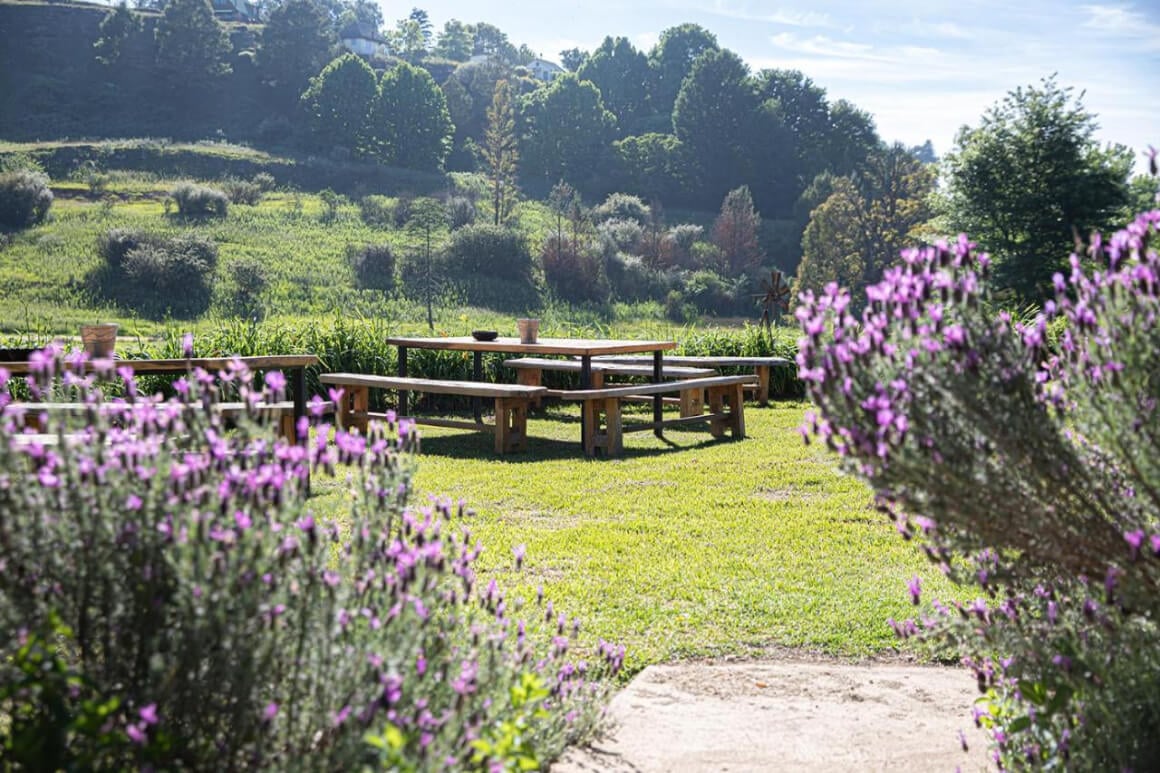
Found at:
<point>466,388</point>
<point>181,365</point>
<point>716,362</point>
<point>652,389</point>
<point>533,364</point>
<point>580,347</point>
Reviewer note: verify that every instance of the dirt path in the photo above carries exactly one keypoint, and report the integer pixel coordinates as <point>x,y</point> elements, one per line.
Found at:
<point>789,716</point>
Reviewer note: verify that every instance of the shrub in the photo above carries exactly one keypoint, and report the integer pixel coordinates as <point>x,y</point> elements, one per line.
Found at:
<point>403,209</point>
<point>25,199</point>
<point>248,280</point>
<point>621,206</point>
<point>242,191</point>
<point>171,599</point>
<point>199,201</point>
<point>625,234</point>
<point>1028,473</point>
<point>574,275</point>
<point>116,243</point>
<point>376,211</point>
<point>331,203</point>
<point>170,277</point>
<point>374,266</point>
<point>492,250</point>
<point>460,211</point>
<point>265,182</point>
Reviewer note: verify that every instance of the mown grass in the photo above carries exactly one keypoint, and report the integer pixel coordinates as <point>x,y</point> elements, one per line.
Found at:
<point>685,547</point>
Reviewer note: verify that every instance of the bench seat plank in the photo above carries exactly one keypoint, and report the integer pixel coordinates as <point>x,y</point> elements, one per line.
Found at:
<point>762,366</point>
<point>511,403</point>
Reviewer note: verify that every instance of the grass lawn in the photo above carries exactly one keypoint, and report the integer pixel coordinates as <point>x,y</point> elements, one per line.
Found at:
<point>685,547</point>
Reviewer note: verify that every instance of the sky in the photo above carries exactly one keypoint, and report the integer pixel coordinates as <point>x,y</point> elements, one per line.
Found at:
<point>922,68</point>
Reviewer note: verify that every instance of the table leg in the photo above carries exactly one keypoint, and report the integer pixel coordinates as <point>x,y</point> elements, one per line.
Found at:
<point>402,374</point>
<point>586,407</point>
<point>298,389</point>
<point>477,376</point>
<point>658,402</point>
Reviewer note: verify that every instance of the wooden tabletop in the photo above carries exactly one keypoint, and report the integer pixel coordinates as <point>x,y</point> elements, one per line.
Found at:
<point>181,365</point>
<point>579,347</point>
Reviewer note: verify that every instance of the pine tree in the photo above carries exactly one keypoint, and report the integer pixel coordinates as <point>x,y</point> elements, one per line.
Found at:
<point>501,150</point>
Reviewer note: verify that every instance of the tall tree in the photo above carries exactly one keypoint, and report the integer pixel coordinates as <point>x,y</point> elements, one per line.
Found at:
<point>338,103</point>
<point>420,17</point>
<point>713,118</point>
<point>116,28</point>
<point>1030,177</point>
<point>409,123</point>
<point>297,42</point>
<point>672,60</point>
<point>866,221</point>
<point>572,59</point>
<point>500,151</point>
<point>192,44</point>
<point>805,112</point>
<point>428,224</point>
<point>492,41</point>
<point>621,73</point>
<point>455,41</point>
<point>407,41</point>
<point>735,233</point>
<point>568,131</point>
<point>853,137</point>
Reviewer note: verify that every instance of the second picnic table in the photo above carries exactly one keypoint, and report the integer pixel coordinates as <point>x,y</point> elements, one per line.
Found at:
<point>584,348</point>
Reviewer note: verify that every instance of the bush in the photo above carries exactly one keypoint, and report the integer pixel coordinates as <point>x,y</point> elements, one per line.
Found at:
<point>576,276</point>
<point>116,243</point>
<point>199,201</point>
<point>182,605</point>
<point>248,280</point>
<point>625,234</point>
<point>621,206</point>
<point>242,191</point>
<point>1026,472</point>
<point>169,276</point>
<point>374,266</point>
<point>492,250</point>
<point>460,212</point>
<point>376,211</point>
<point>25,199</point>
<point>265,182</point>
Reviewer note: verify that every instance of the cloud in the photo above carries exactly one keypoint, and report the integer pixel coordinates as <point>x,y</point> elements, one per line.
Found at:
<point>945,29</point>
<point>821,45</point>
<point>789,17</point>
<point>1123,22</point>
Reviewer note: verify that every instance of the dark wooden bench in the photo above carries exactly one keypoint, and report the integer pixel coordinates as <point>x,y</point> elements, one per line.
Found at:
<point>726,409</point>
<point>762,366</point>
<point>511,403</point>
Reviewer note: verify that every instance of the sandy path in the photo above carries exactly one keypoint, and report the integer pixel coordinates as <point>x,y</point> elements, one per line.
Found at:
<point>789,716</point>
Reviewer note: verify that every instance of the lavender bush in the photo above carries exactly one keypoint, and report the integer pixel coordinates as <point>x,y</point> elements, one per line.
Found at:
<point>1024,470</point>
<point>169,598</point>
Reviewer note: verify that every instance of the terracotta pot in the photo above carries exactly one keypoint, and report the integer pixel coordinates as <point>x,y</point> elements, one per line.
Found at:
<point>529,329</point>
<point>99,340</point>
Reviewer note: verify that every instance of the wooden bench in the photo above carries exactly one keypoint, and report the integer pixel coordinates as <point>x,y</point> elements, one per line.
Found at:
<point>529,371</point>
<point>511,403</point>
<point>726,409</point>
<point>762,366</point>
<point>282,412</point>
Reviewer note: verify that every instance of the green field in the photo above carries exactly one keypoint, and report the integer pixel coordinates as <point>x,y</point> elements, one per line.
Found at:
<point>686,547</point>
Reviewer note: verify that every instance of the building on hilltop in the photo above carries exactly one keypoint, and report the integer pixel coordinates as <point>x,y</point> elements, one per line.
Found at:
<point>236,10</point>
<point>363,39</point>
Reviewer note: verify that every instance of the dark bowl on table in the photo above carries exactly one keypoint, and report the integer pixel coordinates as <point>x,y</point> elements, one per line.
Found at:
<point>484,335</point>
<point>15,355</point>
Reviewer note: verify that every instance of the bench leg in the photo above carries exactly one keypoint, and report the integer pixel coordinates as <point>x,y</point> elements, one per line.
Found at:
<point>530,377</point>
<point>717,406</point>
<point>511,424</point>
<point>613,437</point>
<point>590,420</point>
<point>692,402</point>
<point>763,372</point>
<point>289,426</point>
<point>503,430</point>
<point>351,412</point>
<point>737,411</point>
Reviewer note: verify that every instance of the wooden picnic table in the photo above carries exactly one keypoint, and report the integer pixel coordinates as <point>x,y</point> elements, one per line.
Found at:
<point>294,364</point>
<point>584,348</point>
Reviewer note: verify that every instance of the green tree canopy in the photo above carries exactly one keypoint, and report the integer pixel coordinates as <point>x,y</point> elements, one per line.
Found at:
<point>192,44</point>
<point>567,130</point>
<point>621,73</point>
<point>116,28</point>
<point>1028,178</point>
<point>571,59</point>
<point>409,123</point>
<point>297,42</point>
<point>865,222</point>
<point>455,41</point>
<point>713,118</point>
<point>672,60</point>
<point>500,151</point>
<point>338,103</point>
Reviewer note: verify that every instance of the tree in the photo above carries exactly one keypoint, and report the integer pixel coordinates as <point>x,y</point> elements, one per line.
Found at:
<point>853,137</point>
<point>672,60</point>
<point>409,124</point>
<point>407,41</point>
<point>116,28</point>
<point>492,41</point>
<point>651,164</point>
<point>713,118</point>
<point>500,151</point>
<point>866,221</point>
<point>1029,178</point>
<point>568,131</point>
<point>339,101</point>
<point>297,42</point>
<point>572,59</point>
<point>455,41</point>
<point>803,109</point>
<point>192,44</point>
<point>621,73</point>
<point>428,222</point>
<point>735,232</point>
<point>419,16</point>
